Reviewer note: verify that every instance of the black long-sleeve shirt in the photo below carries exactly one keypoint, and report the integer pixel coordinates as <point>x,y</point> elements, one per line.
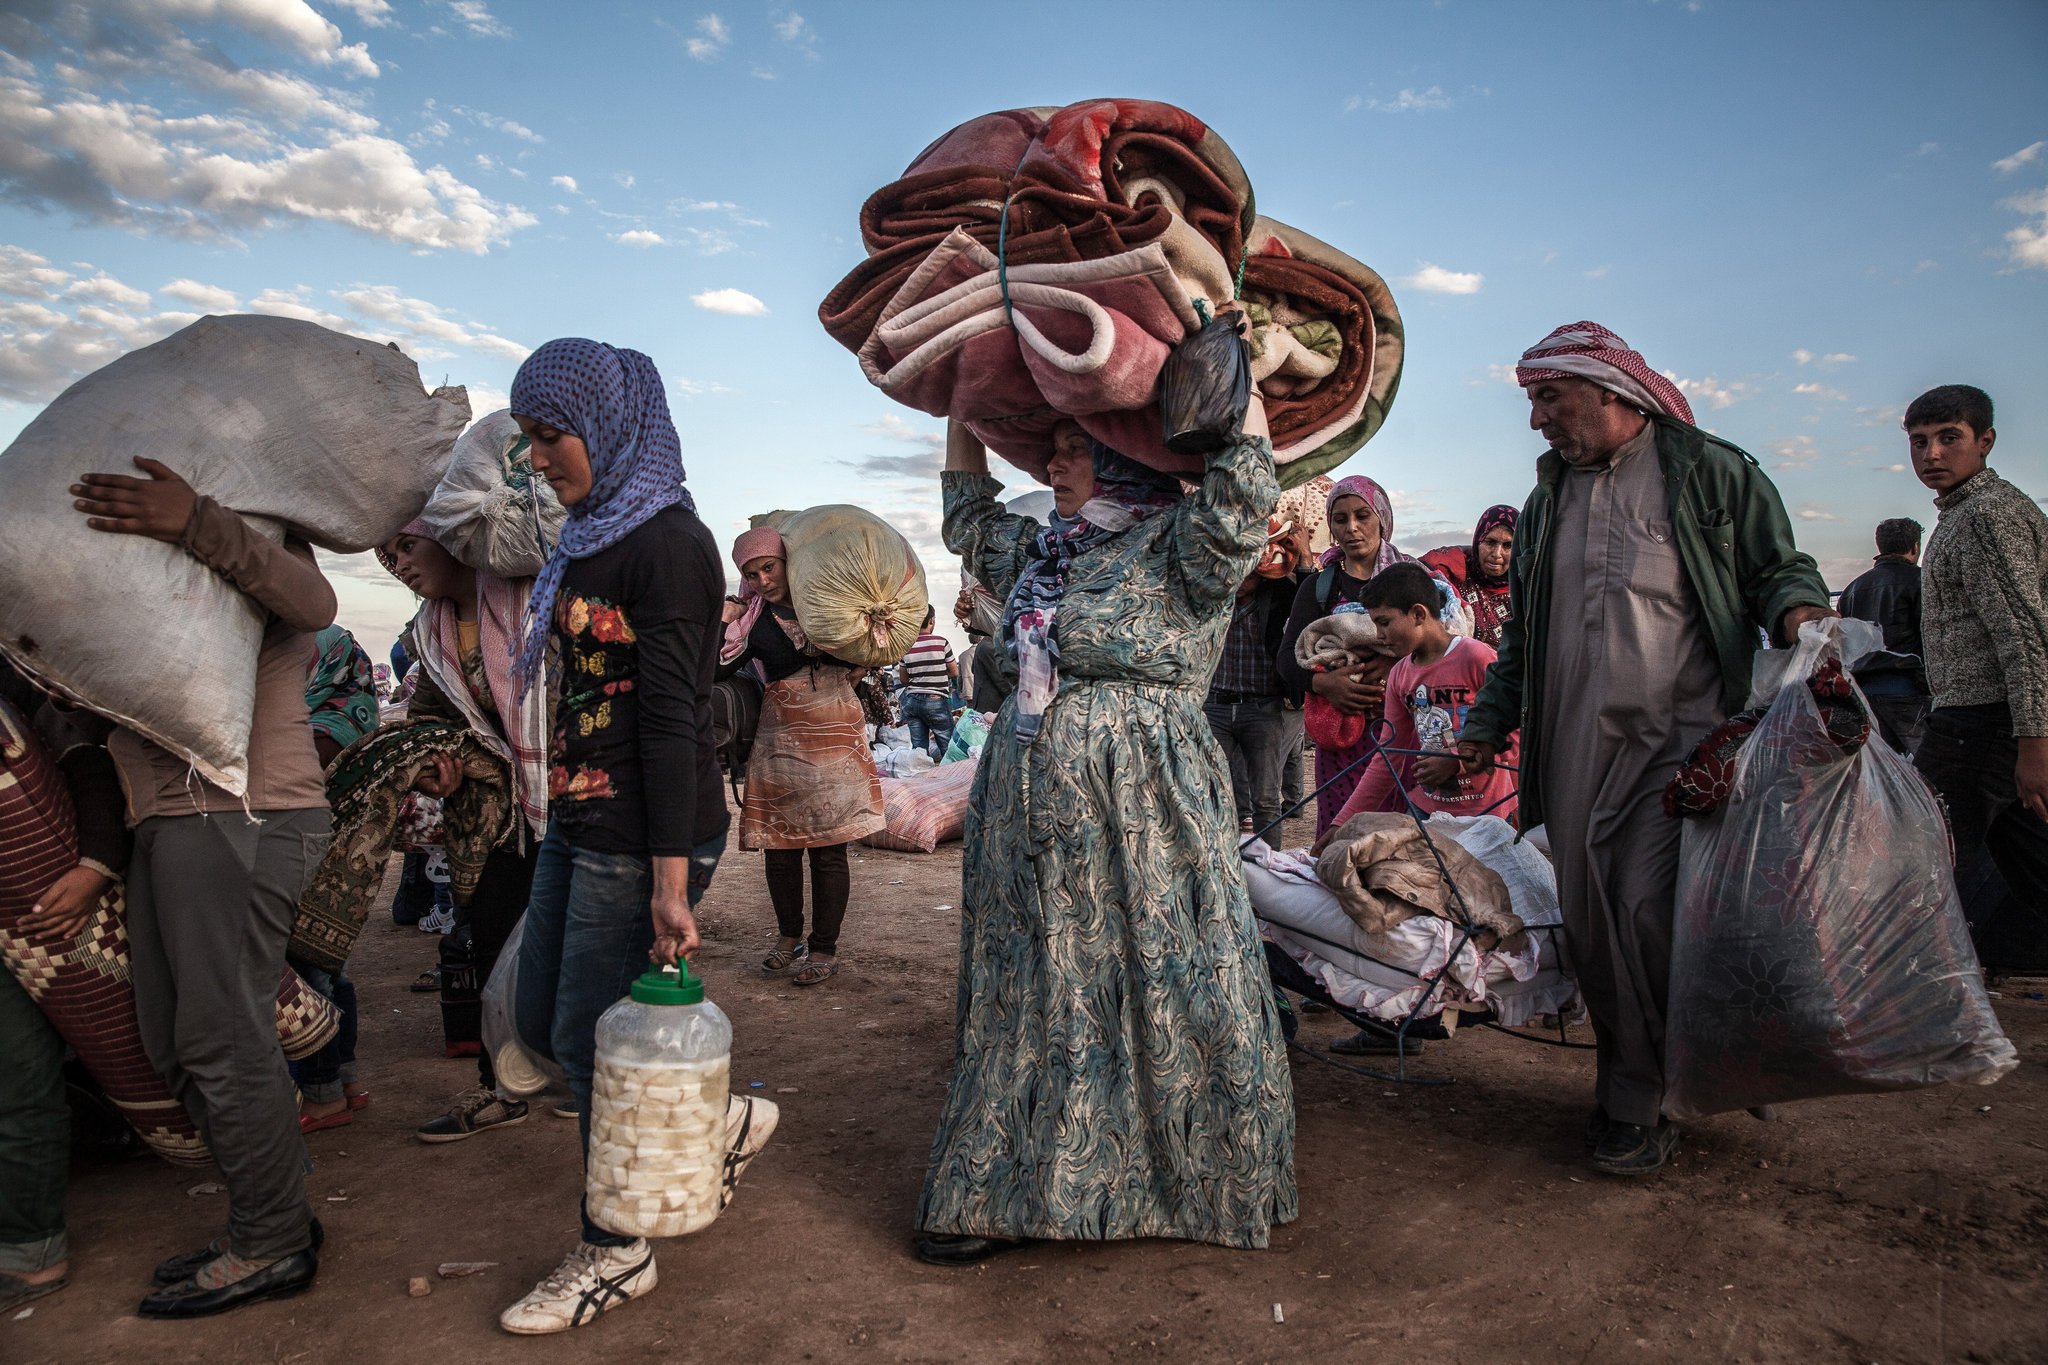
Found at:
<point>632,768</point>
<point>769,645</point>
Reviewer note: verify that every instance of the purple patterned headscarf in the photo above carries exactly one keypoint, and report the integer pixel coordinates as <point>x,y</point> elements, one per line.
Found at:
<point>1358,486</point>
<point>613,399</point>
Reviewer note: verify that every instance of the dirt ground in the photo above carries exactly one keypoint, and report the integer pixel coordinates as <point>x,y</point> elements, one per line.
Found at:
<point>1440,1223</point>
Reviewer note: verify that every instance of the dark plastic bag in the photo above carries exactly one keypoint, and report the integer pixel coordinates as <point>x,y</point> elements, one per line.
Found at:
<point>1205,387</point>
<point>1818,945</point>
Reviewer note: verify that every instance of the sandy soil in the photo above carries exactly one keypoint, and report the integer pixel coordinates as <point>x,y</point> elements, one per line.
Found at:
<point>1446,1223</point>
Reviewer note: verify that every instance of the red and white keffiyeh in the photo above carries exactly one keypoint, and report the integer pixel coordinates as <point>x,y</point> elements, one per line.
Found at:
<point>1586,350</point>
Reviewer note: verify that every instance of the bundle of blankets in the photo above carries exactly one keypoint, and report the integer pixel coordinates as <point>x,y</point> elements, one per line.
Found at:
<point>1039,264</point>
<point>1378,923</point>
<point>369,786</point>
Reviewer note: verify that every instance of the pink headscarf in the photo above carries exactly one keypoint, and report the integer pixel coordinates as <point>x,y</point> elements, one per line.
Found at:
<point>747,547</point>
<point>1358,486</point>
<point>1586,350</point>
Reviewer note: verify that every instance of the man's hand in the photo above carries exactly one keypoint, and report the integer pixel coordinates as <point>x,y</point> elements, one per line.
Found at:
<point>1348,691</point>
<point>2030,775</point>
<point>675,926</point>
<point>1477,755</point>
<point>1439,772</point>
<point>1795,617</point>
<point>61,911</point>
<point>440,778</point>
<point>159,507</point>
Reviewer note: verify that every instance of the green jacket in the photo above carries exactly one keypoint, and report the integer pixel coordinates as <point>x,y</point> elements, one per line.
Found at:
<point>1735,544</point>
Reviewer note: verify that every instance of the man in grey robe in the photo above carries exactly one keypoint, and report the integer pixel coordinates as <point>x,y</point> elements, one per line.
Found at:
<point>1647,563</point>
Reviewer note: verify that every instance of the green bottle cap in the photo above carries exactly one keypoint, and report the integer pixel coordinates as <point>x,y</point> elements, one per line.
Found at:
<point>669,986</point>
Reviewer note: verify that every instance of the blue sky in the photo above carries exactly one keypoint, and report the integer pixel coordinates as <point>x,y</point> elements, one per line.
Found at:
<point>1808,213</point>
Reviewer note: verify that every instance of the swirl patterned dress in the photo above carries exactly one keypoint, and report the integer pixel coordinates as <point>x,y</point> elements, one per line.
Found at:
<point>1119,1068</point>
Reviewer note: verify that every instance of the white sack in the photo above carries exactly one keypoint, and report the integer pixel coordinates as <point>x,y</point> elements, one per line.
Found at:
<point>491,511</point>
<point>284,421</point>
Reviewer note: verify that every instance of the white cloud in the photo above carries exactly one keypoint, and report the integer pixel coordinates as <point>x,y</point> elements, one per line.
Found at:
<point>1795,452</point>
<point>208,298</point>
<point>2024,156</point>
<point>1598,272</point>
<point>735,302</point>
<point>1929,149</point>
<point>1811,511</point>
<point>1802,356</point>
<point>1352,103</point>
<point>793,28</point>
<point>27,275</point>
<point>368,13</point>
<point>564,182</point>
<point>1821,391</point>
<point>1890,468</point>
<point>1434,279</point>
<point>704,206</point>
<point>62,325</point>
<point>104,288</point>
<point>712,40</point>
<point>476,16</point>
<point>1413,101</point>
<point>1710,391</point>
<point>709,241</point>
<point>273,148</point>
<point>1500,374</point>
<point>500,124</point>
<point>2030,240</point>
<point>417,320</point>
<point>640,237</point>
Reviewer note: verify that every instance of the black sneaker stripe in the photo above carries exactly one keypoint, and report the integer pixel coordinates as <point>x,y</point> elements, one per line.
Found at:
<point>597,1298</point>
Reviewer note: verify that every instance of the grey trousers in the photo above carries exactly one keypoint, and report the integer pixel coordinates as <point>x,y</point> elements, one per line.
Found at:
<point>1256,736</point>
<point>1617,881</point>
<point>210,906</point>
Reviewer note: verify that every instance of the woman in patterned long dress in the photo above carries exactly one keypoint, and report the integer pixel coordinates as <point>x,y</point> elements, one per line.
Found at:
<point>1119,1069</point>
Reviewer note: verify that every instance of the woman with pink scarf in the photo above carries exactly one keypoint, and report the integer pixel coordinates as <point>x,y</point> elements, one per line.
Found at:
<point>1361,522</point>
<point>812,788</point>
<point>463,638</point>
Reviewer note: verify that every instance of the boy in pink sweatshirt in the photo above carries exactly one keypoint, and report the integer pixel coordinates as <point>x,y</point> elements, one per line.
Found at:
<point>1429,690</point>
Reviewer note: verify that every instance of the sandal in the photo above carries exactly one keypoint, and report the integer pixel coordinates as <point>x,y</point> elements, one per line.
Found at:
<point>358,1098</point>
<point>816,971</point>
<point>427,981</point>
<point>782,959</point>
<point>340,1118</point>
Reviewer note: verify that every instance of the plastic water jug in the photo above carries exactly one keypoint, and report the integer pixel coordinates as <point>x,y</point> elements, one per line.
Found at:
<point>657,1108</point>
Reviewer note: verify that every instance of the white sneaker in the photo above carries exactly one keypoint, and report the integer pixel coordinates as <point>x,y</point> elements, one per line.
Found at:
<point>437,921</point>
<point>590,1280</point>
<point>749,1123</point>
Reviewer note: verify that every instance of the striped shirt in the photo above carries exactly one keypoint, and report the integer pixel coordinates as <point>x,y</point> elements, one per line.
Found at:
<point>924,667</point>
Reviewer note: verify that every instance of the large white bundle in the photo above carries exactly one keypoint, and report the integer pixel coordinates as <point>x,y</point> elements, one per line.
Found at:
<point>491,511</point>
<point>286,422</point>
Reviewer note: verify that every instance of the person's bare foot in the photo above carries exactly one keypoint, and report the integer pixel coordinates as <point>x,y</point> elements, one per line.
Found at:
<point>18,1287</point>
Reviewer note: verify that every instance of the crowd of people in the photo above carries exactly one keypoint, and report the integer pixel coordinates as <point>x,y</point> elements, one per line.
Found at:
<point>1119,1067</point>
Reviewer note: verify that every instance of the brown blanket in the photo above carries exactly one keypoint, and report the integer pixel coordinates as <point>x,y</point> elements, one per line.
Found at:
<point>1382,873</point>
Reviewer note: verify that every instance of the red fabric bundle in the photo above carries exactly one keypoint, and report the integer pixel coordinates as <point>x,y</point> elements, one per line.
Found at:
<point>82,986</point>
<point>927,810</point>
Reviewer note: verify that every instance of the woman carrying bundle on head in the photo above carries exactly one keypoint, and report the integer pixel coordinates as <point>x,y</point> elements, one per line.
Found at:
<point>811,780</point>
<point>1118,1069</point>
<point>1479,571</point>
<point>1361,521</point>
<point>463,639</point>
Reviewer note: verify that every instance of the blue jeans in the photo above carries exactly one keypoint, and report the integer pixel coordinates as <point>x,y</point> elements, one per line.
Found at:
<point>324,1076</point>
<point>927,718</point>
<point>589,929</point>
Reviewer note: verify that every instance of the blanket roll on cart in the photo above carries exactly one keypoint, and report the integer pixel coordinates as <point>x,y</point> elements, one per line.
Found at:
<point>295,427</point>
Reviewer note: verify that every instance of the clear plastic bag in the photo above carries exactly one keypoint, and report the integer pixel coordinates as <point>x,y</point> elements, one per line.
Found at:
<point>1819,947</point>
<point>520,1070</point>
